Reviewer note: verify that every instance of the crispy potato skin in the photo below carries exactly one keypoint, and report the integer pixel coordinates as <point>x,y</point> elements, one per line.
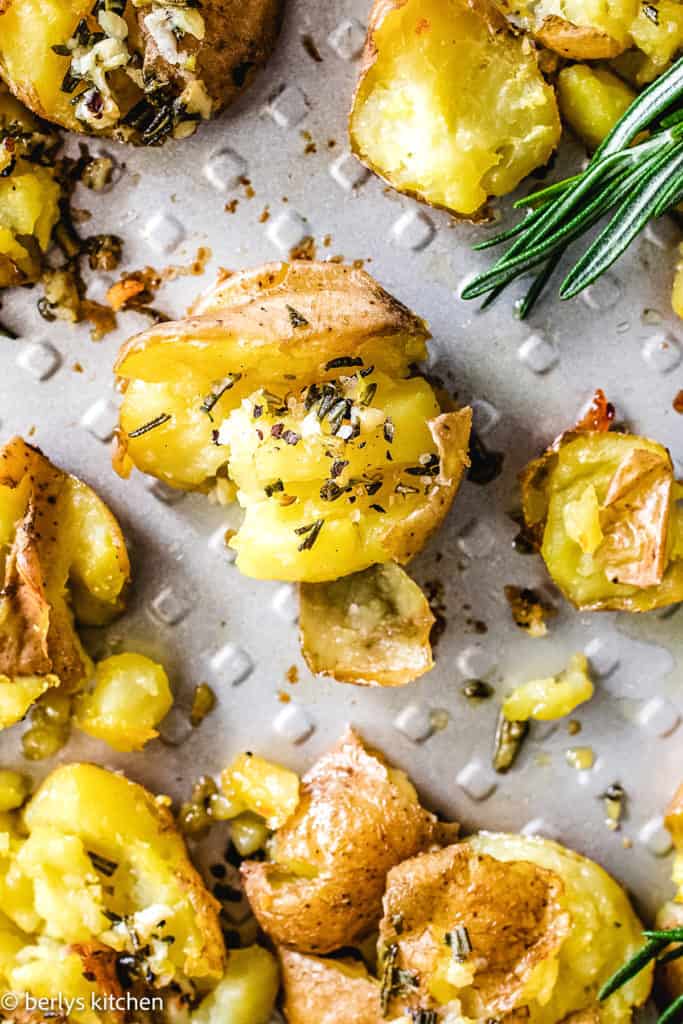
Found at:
<point>581,42</point>
<point>40,507</point>
<point>355,820</point>
<point>459,886</point>
<point>547,928</point>
<point>238,39</point>
<point>285,345</point>
<point>371,628</point>
<point>318,991</point>
<point>474,170</point>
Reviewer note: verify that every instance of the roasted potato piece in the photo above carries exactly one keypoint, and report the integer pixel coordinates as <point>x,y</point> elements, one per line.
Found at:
<point>269,790</point>
<point>140,71</point>
<point>582,29</point>
<point>356,818</point>
<point>552,697</point>
<point>451,106</point>
<point>29,193</point>
<point>507,925</point>
<point>64,558</point>
<point>604,507</point>
<point>245,994</point>
<point>295,380</point>
<point>370,628</point>
<point>591,101</point>
<point>318,991</point>
<point>129,696</point>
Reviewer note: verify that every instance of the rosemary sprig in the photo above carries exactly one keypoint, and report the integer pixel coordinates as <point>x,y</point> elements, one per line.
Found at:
<point>632,181</point>
<point>656,942</point>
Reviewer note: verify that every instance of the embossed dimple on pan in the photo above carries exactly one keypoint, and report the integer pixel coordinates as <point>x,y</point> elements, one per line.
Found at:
<point>279,160</point>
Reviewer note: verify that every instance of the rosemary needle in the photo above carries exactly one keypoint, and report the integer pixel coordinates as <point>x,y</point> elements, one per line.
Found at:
<point>632,181</point>
<point>656,942</point>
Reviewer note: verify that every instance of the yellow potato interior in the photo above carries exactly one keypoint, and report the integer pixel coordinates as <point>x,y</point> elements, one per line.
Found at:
<point>319,505</point>
<point>592,100</point>
<point>605,933</point>
<point>27,58</point>
<point>129,697</point>
<point>453,108</point>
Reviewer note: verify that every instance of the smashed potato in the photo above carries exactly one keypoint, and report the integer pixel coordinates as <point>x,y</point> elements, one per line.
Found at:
<point>29,193</point>
<point>142,71</point>
<point>322,887</point>
<point>318,991</point>
<point>294,381</point>
<point>553,697</point>
<point>253,784</point>
<point>99,899</point>
<point>506,925</point>
<point>451,106</point>
<point>129,696</point>
<point>65,561</point>
<point>370,628</point>
<point>604,507</point>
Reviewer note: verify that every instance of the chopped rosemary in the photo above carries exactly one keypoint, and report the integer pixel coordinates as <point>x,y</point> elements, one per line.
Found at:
<point>310,534</point>
<point>508,742</point>
<point>102,864</point>
<point>296,318</point>
<point>158,421</point>
<point>389,430</point>
<point>423,1016</point>
<point>459,942</point>
<point>395,980</point>
<point>341,362</point>
<point>634,183</point>
<point>218,391</point>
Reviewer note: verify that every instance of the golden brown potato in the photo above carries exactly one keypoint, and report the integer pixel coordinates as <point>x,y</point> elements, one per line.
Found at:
<point>317,991</point>
<point>370,628</point>
<point>604,507</point>
<point>29,193</point>
<point>142,71</point>
<point>451,106</point>
<point>508,927</point>
<point>591,101</point>
<point>582,42</point>
<point>293,386</point>
<point>356,818</point>
<point>64,557</point>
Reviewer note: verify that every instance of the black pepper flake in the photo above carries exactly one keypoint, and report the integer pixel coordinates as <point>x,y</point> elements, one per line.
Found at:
<point>330,491</point>
<point>158,421</point>
<point>277,429</point>
<point>290,437</point>
<point>342,362</point>
<point>338,467</point>
<point>378,508</point>
<point>274,488</point>
<point>373,487</point>
<point>257,412</point>
<point>296,319</point>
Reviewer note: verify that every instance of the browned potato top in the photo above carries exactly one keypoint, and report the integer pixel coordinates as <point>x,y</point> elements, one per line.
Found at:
<point>356,819</point>
<point>318,991</point>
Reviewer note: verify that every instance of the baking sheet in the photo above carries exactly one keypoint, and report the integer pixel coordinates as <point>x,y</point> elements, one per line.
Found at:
<point>280,161</point>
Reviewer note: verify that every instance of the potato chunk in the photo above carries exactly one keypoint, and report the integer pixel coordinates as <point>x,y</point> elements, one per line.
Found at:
<point>591,101</point>
<point>605,509</point>
<point>64,556</point>
<point>370,628</point>
<point>266,789</point>
<point>245,994</point>
<point>293,389</point>
<point>29,194</point>
<point>129,697</point>
<point>356,818</point>
<point>451,106</point>
<point>553,697</point>
<point>318,991</point>
<point>507,925</point>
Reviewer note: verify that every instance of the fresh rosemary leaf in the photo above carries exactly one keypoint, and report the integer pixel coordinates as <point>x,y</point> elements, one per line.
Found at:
<point>673,954</point>
<point>671,1011</point>
<point>158,421</point>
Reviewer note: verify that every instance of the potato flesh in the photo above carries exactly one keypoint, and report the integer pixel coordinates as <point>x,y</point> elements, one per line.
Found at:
<point>592,100</point>
<point>353,532</point>
<point>266,789</point>
<point>551,698</point>
<point>450,109</point>
<point>591,460</point>
<point>605,931</point>
<point>246,994</point>
<point>27,59</point>
<point>129,697</point>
